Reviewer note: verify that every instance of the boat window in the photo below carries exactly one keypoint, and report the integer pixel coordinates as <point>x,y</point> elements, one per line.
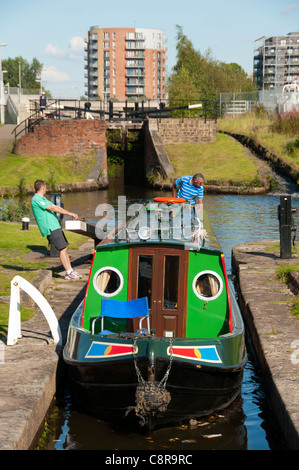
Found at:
<point>145,269</point>
<point>171,282</point>
<point>207,285</point>
<point>108,281</point>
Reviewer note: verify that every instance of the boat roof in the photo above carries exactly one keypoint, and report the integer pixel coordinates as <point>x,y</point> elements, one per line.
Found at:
<point>163,223</point>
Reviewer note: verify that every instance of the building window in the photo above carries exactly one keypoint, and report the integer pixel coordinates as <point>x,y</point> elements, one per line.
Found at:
<point>106,35</point>
<point>106,45</point>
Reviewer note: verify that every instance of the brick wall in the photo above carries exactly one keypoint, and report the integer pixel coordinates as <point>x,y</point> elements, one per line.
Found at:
<point>193,131</point>
<point>63,137</point>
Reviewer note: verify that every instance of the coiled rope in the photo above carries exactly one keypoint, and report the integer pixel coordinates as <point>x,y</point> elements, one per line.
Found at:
<point>151,397</point>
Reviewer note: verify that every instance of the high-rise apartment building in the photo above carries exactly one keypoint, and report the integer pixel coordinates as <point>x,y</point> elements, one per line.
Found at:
<point>125,63</point>
<point>276,61</point>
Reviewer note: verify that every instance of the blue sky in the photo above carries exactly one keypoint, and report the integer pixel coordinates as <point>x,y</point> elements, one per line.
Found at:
<point>54,31</point>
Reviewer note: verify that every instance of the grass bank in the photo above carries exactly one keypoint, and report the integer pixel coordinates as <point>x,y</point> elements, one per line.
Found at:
<point>14,244</point>
<point>15,169</point>
<point>224,160</point>
<point>267,130</point>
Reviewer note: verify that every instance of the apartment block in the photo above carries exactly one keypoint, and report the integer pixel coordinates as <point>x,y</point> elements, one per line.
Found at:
<point>125,63</point>
<point>276,61</point>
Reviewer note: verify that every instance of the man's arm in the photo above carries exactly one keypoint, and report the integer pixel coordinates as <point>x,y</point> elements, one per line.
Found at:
<point>173,189</point>
<point>61,210</point>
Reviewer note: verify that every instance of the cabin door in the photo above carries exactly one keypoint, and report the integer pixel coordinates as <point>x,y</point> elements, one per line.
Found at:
<point>159,274</point>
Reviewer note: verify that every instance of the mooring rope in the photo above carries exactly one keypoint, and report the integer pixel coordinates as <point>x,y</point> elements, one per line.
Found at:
<point>151,397</point>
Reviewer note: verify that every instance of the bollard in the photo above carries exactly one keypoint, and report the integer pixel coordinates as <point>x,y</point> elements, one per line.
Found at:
<point>25,223</point>
<point>285,226</point>
<point>56,199</point>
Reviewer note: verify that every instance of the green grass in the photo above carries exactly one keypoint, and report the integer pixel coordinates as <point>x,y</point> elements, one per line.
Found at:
<point>26,314</point>
<point>259,127</point>
<point>74,168</point>
<point>14,244</point>
<point>222,160</point>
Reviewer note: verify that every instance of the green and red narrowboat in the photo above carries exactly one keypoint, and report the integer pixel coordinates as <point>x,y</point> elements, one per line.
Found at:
<point>186,356</point>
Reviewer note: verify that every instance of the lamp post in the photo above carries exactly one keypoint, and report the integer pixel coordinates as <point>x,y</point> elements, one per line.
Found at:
<point>39,80</point>
<point>1,89</point>
<point>20,82</point>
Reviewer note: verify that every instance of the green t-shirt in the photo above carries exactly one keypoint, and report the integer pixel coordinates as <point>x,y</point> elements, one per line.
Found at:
<point>46,220</point>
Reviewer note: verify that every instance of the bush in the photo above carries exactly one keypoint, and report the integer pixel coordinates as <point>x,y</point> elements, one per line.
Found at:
<point>12,210</point>
<point>286,123</point>
<point>292,145</point>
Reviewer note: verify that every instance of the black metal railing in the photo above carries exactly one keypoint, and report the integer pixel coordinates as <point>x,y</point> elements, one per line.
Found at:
<point>135,111</point>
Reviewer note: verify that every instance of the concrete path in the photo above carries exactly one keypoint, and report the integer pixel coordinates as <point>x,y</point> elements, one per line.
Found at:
<point>30,370</point>
<point>6,138</point>
<point>266,304</point>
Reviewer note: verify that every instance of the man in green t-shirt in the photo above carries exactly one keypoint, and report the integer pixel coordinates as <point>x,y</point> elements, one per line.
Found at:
<point>45,215</point>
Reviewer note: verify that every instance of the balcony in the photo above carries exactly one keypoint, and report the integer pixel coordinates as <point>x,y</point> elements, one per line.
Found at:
<point>135,92</point>
<point>135,82</point>
<point>135,63</point>
<point>135,73</point>
<point>135,54</point>
<point>135,45</point>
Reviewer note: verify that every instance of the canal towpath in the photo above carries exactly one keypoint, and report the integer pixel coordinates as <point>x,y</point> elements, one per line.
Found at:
<point>30,371</point>
<point>265,303</point>
<point>6,138</point>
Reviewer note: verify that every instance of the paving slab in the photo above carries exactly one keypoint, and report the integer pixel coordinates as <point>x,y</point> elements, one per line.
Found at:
<point>30,370</point>
<point>266,303</point>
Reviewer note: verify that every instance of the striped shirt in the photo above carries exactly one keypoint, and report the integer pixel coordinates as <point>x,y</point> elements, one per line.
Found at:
<point>187,191</point>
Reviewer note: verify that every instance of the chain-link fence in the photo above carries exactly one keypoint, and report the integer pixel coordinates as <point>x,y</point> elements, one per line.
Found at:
<point>233,104</point>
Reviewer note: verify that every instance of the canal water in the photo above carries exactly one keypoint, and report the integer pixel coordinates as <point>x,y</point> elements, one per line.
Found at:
<point>249,423</point>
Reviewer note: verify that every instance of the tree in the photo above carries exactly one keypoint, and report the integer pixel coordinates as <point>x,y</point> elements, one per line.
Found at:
<point>201,76</point>
<point>29,72</point>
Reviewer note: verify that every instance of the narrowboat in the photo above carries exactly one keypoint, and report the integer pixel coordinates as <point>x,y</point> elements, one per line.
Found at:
<point>159,337</point>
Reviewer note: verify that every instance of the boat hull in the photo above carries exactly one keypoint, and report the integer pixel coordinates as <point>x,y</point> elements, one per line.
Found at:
<point>207,391</point>
<point>198,376</point>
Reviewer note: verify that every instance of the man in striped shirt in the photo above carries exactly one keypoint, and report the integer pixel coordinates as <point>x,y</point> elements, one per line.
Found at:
<point>190,188</point>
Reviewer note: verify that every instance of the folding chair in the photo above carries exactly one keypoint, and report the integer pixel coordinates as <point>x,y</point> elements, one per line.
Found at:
<point>123,309</point>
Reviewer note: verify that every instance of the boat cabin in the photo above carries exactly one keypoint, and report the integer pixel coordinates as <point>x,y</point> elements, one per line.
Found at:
<point>183,278</point>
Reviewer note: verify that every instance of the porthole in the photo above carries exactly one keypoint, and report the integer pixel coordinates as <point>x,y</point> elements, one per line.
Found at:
<point>207,285</point>
<point>108,281</point>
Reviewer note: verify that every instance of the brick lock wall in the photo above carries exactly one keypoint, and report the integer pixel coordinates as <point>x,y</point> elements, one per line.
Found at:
<point>63,137</point>
<point>194,131</point>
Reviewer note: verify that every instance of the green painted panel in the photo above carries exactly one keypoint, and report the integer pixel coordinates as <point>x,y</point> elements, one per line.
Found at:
<point>116,257</point>
<point>206,318</point>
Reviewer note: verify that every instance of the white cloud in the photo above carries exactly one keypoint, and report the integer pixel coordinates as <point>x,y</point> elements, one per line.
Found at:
<point>290,8</point>
<point>54,51</point>
<point>51,74</point>
<point>74,50</point>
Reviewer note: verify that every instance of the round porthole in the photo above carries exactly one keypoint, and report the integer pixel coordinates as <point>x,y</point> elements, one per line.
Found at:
<point>207,285</point>
<point>108,281</point>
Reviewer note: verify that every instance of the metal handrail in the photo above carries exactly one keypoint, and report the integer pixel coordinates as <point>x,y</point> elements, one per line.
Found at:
<point>30,122</point>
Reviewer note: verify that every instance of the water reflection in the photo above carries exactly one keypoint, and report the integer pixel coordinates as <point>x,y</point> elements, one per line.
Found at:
<point>248,422</point>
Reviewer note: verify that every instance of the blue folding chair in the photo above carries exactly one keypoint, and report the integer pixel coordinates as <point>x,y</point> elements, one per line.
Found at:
<point>123,309</point>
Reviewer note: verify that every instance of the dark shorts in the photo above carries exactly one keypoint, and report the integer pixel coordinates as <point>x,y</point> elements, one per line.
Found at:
<point>57,238</point>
